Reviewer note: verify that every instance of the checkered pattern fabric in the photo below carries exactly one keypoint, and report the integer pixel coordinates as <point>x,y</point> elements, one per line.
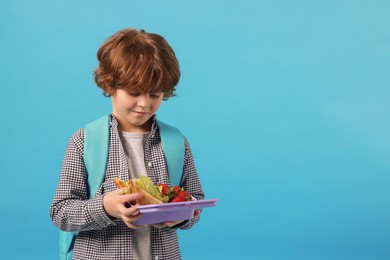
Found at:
<point>101,237</point>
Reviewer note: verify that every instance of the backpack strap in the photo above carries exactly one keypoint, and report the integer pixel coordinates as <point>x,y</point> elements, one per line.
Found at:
<point>66,244</point>
<point>96,147</point>
<point>174,151</point>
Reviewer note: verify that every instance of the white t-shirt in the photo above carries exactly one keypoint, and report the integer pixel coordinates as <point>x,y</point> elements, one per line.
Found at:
<point>134,145</point>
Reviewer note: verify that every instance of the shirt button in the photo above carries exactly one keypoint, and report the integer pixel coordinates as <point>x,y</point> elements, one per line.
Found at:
<point>150,164</point>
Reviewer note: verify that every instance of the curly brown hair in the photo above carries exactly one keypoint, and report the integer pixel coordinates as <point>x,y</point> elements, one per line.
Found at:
<point>137,61</point>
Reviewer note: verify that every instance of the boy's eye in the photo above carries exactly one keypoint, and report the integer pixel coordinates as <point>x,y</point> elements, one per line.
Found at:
<point>134,94</point>
<point>155,95</point>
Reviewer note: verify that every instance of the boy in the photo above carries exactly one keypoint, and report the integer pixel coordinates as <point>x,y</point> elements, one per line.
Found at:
<point>138,70</point>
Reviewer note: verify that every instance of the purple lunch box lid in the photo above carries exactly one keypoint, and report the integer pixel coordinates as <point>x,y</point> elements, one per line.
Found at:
<point>158,213</point>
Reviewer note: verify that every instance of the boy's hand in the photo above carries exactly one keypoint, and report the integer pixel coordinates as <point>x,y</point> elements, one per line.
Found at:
<point>117,205</point>
<point>170,224</point>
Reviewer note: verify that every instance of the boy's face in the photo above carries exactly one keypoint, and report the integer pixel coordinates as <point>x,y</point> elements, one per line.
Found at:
<point>133,110</point>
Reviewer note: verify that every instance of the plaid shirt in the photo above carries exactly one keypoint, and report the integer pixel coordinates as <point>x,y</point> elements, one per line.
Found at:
<point>101,237</point>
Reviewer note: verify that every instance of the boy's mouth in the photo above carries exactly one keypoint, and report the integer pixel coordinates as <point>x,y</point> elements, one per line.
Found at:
<point>140,112</point>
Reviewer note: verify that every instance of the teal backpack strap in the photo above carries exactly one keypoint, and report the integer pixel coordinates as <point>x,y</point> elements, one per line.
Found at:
<point>66,244</point>
<point>96,146</point>
<point>174,150</point>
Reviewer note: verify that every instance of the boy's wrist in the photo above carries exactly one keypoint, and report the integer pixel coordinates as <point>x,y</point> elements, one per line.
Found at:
<point>98,213</point>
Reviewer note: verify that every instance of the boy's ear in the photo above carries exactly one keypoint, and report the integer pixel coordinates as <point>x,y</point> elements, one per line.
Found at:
<point>110,91</point>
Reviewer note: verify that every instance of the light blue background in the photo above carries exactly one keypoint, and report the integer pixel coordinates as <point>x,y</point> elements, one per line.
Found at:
<point>285,103</point>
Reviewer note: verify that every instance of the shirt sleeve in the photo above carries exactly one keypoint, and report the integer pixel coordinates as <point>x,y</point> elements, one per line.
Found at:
<point>71,209</point>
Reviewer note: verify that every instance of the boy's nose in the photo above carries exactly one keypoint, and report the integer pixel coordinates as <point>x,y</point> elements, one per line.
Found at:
<point>143,101</point>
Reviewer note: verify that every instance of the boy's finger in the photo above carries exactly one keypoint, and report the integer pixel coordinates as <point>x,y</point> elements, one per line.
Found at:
<point>130,211</point>
<point>130,197</point>
<point>196,213</point>
<point>131,217</point>
<point>133,212</point>
<point>120,191</point>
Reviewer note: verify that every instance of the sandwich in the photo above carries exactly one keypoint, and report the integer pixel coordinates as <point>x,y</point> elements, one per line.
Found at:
<point>152,194</point>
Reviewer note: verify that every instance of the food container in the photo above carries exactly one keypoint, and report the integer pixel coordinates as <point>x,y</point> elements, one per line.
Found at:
<point>175,211</point>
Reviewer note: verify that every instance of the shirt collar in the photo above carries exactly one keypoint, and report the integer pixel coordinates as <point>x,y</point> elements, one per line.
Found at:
<point>114,123</point>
